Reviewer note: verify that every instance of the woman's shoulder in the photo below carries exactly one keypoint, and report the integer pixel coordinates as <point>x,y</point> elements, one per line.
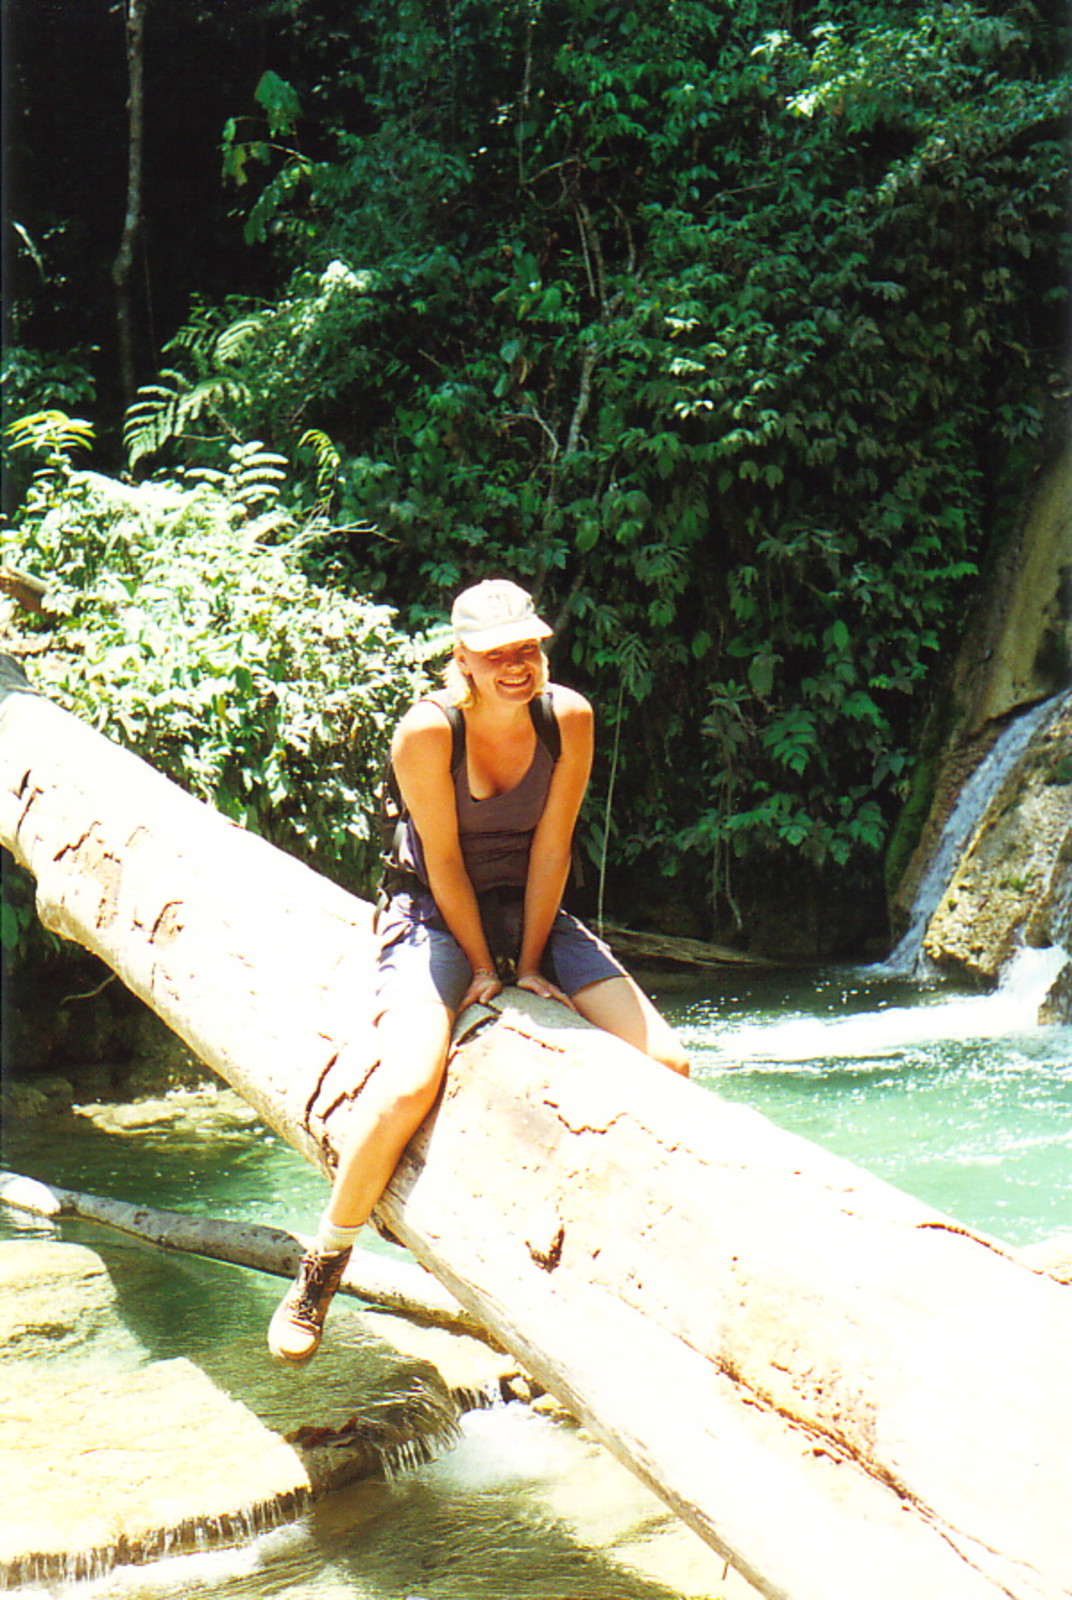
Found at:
<point>573,713</point>
<point>425,723</point>
<point>567,704</point>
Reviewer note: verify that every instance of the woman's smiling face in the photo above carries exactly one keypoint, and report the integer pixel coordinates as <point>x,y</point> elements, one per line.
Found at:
<point>511,672</point>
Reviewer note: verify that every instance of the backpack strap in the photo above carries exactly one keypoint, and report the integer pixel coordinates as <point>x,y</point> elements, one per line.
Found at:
<point>389,789</point>
<point>457,734</point>
<point>545,722</point>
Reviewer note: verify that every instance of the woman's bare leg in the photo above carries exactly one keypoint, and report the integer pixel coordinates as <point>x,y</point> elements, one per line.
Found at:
<point>387,1113</point>
<point>621,1007</point>
<point>391,1107</point>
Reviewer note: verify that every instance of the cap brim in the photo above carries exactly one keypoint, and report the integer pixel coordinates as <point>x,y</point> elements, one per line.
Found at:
<point>484,639</point>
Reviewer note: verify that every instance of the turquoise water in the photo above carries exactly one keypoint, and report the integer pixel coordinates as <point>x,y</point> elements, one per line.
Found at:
<point>963,1100</point>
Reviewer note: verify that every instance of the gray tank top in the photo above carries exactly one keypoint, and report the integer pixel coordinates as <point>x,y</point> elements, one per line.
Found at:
<point>496,833</point>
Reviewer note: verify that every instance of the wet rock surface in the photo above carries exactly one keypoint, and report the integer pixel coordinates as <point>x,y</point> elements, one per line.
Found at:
<point>1012,884</point>
<point>108,1456</point>
<point>1015,653</point>
<point>57,1302</point>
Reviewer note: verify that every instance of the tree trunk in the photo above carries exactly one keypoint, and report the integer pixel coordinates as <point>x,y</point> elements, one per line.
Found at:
<point>844,1392</point>
<point>123,264</point>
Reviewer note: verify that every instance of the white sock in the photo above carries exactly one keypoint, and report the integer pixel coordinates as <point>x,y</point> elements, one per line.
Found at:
<point>331,1237</point>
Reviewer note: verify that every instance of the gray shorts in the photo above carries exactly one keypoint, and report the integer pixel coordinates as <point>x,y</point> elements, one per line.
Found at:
<point>419,958</point>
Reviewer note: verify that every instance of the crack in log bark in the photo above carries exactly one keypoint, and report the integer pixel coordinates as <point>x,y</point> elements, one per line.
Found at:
<point>31,799</point>
<point>955,1539</point>
<point>168,924</point>
<point>823,1441</point>
<point>90,854</point>
<point>977,1238</point>
<point>312,1113</point>
<point>317,1090</point>
<point>549,1259</point>
<point>841,1450</point>
<point>582,1127</point>
<point>74,847</point>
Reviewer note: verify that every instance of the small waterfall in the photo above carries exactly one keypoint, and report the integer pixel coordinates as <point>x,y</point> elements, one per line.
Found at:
<point>969,811</point>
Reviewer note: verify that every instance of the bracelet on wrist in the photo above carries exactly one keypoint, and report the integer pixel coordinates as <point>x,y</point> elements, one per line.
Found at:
<point>484,972</point>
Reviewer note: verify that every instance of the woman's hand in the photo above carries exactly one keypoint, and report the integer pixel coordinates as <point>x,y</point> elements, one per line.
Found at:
<point>536,983</point>
<point>484,985</point>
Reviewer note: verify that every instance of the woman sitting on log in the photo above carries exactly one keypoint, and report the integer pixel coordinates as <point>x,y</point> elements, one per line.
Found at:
<point>483,854</point>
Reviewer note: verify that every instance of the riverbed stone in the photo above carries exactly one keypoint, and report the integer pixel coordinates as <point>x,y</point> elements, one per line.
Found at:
<point>117,1469</point>
<point>109,1457</point>
<point>55,1299</point>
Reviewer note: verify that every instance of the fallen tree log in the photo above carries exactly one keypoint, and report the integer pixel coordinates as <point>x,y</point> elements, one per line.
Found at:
<point>670,950</point>
<point>843,1391</point>
<point>398,1286</point>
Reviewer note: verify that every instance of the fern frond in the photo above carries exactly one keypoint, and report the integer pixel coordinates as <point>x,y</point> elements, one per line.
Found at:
<point>50,433</point>
<point>199,337</point>
<point>213,395</point>
<point>328,461</point>
<point>233,343</point>
<point>152,418</point>
<point>256,475</point>
<point>163,411</point>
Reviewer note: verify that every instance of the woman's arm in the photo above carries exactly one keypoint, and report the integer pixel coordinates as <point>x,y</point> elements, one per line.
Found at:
<point>421,752</point>
<point>549,860</point>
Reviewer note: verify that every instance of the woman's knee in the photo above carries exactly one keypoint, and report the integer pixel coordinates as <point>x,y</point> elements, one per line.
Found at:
<point>408,1081</point>
<point>620,1006</point>
<point>675,1057</point>
<point>413,1053</point>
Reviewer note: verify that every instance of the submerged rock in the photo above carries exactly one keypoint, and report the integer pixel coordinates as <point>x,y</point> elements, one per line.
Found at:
<point>206,1108</point>
<point>56,1300</point>
<point>109,1457</point>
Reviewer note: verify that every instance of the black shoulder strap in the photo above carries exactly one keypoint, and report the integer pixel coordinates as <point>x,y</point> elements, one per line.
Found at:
<point>454,716</point>
<point>545,722</point>
<point>390,790</point>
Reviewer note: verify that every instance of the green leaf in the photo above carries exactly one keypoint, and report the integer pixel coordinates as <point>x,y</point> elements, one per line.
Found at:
<point>280,102</point>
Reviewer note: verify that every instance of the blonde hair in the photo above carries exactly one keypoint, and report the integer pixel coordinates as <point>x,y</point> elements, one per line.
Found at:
<point>457,685</point>
<point>462,690</point>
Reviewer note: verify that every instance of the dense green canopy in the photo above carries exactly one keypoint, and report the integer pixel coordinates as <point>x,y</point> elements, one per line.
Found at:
<point>734,329</point>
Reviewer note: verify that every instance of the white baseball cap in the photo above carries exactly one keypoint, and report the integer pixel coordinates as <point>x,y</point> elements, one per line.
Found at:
<point>494,613</point>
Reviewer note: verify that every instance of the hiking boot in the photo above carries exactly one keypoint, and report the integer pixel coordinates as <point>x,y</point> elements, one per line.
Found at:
<point>295,1331</point>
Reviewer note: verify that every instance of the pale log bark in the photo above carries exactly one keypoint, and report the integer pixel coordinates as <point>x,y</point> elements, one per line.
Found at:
<point>843,1391</point>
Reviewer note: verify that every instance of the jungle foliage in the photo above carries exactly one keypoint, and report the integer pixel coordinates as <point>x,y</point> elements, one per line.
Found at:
<point>184,618</point>
<point>732,329</point>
